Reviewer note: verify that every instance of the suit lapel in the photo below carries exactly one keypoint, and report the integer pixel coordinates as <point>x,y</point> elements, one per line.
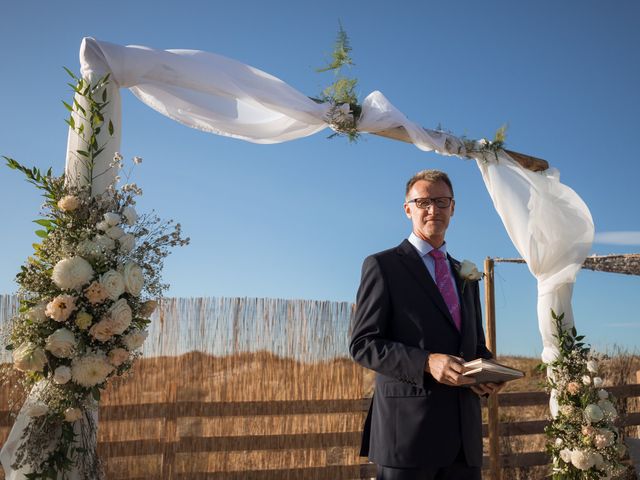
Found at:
<point>412,261</point>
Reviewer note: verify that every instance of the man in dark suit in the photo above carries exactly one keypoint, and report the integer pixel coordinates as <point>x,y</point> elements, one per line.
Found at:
<point>416,322</point>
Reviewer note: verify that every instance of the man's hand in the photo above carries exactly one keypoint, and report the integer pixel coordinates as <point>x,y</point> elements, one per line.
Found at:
<point>447,369</point>
<point>486,389</point>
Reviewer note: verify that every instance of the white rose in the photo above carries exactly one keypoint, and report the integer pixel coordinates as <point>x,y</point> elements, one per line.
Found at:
<point>582,460</point>
<point>112,219</point>
<point>469,271</point>
<point>68,203</point>
<point>597,382</point>
<point>103,225</point>
<point>115,232</point>
<point>593,413</point>
<point>61,343</point>
<point>134,339</point>
<point>36,410</point>
<point>37,313</point>
<point>113,282</point>
<point>105,242</point>
<point>127,242</point>
<point>130,215</point>
<point>586,379</point>
<point>592,366</point>
<point>608,409</point>
<point>565,455</point>
<point>72,414</point>
<point>28,357</point>
<point>559,442</point>
<point>603,394</point>
<point>120,315</point>
<point>62,375</point>
<point>133,279</point>
<point>72,273</point>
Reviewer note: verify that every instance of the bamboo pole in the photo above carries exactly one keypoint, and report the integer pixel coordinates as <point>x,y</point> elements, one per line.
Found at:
<point>527,161</point>
<point>492,403</point>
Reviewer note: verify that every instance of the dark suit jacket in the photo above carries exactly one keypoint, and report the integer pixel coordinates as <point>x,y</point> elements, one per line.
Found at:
<point>400,317</point>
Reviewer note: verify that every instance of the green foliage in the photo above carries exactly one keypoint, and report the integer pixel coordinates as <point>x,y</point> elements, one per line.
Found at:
<point>342,91</point>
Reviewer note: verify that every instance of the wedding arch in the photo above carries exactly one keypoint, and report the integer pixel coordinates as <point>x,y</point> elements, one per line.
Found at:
<point>548,223</point>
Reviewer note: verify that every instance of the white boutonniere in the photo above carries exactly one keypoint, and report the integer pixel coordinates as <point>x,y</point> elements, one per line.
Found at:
<point>468,272</point>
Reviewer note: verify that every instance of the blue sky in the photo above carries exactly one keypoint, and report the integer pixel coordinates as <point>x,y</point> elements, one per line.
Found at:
<point>295,220</point>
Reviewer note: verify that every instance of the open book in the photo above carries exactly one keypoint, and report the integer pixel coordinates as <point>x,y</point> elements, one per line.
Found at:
<point>484,370</point>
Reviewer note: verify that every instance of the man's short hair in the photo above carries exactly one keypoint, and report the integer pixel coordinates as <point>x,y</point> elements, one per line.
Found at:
<point>430,176</point>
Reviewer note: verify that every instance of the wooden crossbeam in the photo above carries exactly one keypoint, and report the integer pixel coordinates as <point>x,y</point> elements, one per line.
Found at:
<point>527,161</point>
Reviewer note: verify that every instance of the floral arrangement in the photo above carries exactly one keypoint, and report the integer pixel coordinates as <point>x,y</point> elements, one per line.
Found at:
<point>86,296</point>
<point>582,438</point>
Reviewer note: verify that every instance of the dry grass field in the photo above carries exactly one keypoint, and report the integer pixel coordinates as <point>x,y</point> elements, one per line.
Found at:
<point>263,377</point>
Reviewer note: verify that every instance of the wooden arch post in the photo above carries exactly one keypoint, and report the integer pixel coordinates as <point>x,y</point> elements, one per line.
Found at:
<point>492,403</point>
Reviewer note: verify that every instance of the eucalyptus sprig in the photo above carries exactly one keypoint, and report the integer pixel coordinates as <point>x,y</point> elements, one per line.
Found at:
<point>344,108</point>
<point>93,115</point>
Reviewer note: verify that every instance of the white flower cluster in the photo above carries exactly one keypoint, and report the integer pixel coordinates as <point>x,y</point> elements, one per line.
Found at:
<point>583,437</point>
<point>95,321</point>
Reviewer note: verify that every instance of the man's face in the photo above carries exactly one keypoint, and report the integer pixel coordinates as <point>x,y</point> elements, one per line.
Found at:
<point>429,224</point>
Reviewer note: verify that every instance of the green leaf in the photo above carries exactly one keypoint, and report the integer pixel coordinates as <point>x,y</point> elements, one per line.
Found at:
<point>71,74</point>
<point>95,393</point>
<point>104,95</point>
<point>83,153</point>
<point>110,127</point>
<point>67,106</point>
<point>43,222</point>
<point>41,233</point>
<point>9,347</point>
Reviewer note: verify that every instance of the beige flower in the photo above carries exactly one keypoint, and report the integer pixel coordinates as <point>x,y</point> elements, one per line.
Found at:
<point>586,379</point>
<point>597,382</point>
<point>68,203</point>
<point>72,414</point>
<point>103,330</point>
<point>62,375</point>
<point>96,293</point>
<point>147,308</point>
<point>134,339</point>
<point>120,316</point>
<point>604,438</point>
<point>113,282</point>
<point>28,357</point>
<point>592,366</point>
<point>133,278</point>
<point>565,455</point>
<point>83,320</point>
<point>573,388</point>
<point>61,343</point>
<point>118,356</point>
<point>61,307</point>
<point>588,430</point>
<point>72,273</point>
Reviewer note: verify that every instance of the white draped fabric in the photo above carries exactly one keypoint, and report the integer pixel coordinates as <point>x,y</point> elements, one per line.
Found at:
<point>549,224</point>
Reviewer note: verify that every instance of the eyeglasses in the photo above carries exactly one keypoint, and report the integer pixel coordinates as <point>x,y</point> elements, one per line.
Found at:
<point>424,203</point>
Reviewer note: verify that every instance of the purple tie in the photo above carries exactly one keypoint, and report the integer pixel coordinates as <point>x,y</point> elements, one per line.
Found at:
<point>445,285</point>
